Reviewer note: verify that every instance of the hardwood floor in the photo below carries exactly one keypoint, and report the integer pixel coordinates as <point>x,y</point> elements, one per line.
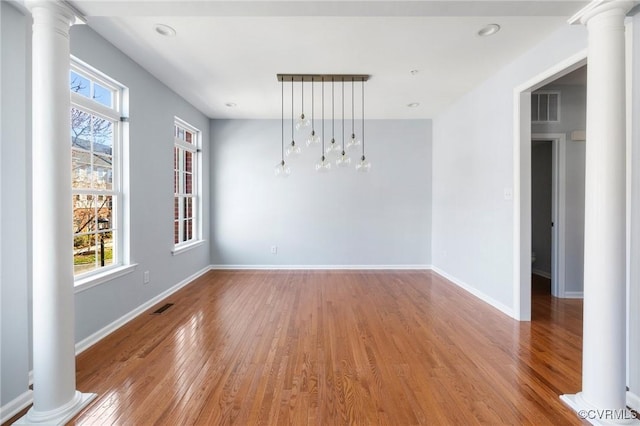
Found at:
<point>334,348</point>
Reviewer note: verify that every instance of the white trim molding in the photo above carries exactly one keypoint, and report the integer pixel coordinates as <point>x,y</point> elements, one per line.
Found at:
<point>322,267</point>
<point>84,344</point>
<point>16,405</point>
<point>477,293</point>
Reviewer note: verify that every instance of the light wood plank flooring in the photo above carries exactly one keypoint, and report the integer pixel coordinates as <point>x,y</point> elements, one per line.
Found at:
<point>335,348</point>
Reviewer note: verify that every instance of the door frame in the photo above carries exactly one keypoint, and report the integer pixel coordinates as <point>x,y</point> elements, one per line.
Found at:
<point>522,180</point>
<point>558,206</point>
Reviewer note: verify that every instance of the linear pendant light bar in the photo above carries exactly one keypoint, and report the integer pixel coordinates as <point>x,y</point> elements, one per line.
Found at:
<point>325,77</point>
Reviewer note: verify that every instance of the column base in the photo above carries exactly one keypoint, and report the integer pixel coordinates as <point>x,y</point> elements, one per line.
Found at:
<point>599,416</point>
<point>59,416</point>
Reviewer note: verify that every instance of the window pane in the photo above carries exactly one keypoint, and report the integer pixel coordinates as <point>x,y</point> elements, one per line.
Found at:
<point>79,84</point>
<point>188,159</point>
<point>83,214</point>
<point>187,230</point>
<point>187,208</point>
<point>80,129</point>
<point>84,254</point>
<point>102,95</point>
<point>176,232</point>
<point>105,213</point>
<point>180,133</point>
<point>188,137</point>
<point>176,208</point>
<point>102,136</point>
<point>80,168</point>
<point>188,183</point>
<point>534,107</point>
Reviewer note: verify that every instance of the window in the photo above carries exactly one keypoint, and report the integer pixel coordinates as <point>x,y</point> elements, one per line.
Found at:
<point>96,170</point>
<point>545,106</point>
<point>186,184</point>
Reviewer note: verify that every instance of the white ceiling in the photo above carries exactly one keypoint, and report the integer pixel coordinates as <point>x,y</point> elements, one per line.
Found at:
<point>230,51</point>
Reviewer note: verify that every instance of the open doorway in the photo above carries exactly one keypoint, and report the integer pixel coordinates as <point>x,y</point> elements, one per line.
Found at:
<point>544,122</point>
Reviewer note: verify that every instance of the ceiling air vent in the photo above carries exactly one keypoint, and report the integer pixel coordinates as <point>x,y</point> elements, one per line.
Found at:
<point>545,107</point>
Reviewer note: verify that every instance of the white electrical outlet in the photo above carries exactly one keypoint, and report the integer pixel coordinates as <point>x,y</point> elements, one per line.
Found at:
<point>145,277</point>
<point>274,249</point>
<point>508,194</point>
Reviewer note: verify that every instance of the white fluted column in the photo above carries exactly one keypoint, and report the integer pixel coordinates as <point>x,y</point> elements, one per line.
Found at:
<point>55,399</point>
<point>603,351</point>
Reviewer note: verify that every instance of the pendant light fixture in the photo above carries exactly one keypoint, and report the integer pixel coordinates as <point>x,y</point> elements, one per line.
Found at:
<point>282,169</point>
<point>323,165</point>
<point>313,138</point>
<point>344,160</point>
<point>335,147</point>
<point>353,143</point>
<point>302,121</point>
<point>364,165</point>
<point>293,150</point>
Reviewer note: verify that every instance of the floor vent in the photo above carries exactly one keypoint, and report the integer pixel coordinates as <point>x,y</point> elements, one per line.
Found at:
<point>162,309</point>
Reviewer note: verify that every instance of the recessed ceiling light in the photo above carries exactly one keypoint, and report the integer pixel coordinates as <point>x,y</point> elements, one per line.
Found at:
<point>231,104</point>
<point>488,30</point>
<point>165,30</point>
<point>414,72</point>
<point>413,104</point>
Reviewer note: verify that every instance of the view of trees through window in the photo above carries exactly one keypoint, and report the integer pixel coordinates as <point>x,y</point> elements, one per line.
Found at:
<point>95,193</point>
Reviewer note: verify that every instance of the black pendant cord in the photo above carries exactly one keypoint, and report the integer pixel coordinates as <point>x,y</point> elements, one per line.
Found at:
<point>333,124</point>
<point>282,123</point>
<point>362,136</point>
<point>353,110</point>
<point>293,141</point>
<point>323,119</point>
<point>343,117</point>
<point>302,103</point>
<point>313,124</point>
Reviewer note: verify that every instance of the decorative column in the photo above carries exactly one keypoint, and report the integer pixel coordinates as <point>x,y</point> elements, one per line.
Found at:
<point>603,351</point>
<point>55,399</point>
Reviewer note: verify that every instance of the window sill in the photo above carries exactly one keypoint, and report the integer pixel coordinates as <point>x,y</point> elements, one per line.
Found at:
<point>94,280</point>
<point>186,247</point>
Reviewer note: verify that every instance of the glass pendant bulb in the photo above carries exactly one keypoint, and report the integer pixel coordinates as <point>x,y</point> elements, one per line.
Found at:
<point>353,142</point>
<point>334,148</point>
<point>363,165</point>
<point>313,139</point>
<point>282,170</point>
<point>302,122</point>
<point>323,165</point>
<point>344,160</point>
<point>293,150</point>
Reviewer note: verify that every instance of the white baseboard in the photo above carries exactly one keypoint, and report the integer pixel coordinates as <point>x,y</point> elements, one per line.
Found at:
<point>321,267</point>
<point>100,334</point>
<point>541,273</point>
<point>573,295</point>
<point>477,293</point>
<point>13,407</point>
<point>633,401</point>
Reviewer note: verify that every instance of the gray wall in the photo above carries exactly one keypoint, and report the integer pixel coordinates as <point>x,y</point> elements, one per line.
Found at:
<point>14,216</point>
<point>381,218</point>
<point>152,109</point>
<point>541,196</point>
<point>473,139</point>
<point>573,116</point>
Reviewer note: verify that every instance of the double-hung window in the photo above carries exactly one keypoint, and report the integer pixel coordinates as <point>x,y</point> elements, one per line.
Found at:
<point>186,182</point>
<point>96,170</point>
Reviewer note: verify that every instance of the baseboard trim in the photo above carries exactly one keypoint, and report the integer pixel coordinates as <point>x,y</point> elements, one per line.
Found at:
<point>84,344</point>
<point>573,295</point>
<point>541,273</point>
<point>633,401</point>
<point>475,292</point>
<point>16,405</point>
<point>321,267</point>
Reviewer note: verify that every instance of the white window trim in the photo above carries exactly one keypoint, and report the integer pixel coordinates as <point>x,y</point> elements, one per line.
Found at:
<point>195,148</point>
<point>121,173</point>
